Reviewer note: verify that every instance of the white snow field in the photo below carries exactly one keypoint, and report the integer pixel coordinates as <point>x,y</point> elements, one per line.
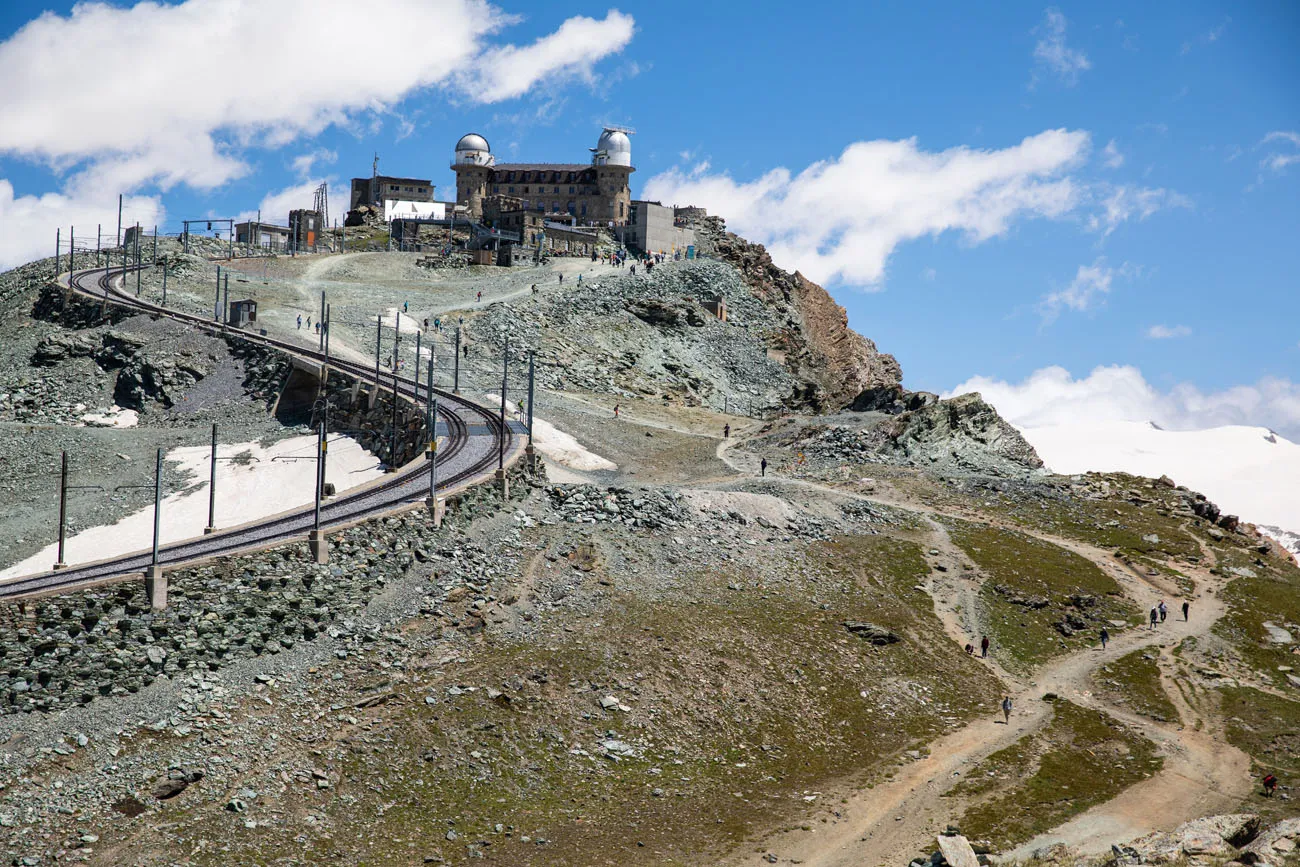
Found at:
<point>1247,471</point>
<point>246,490</point>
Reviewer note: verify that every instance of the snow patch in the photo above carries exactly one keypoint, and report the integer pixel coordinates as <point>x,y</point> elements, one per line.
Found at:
<point>553,443</point>
<point>1247,471</point>
<point>115,416</point>
<point>252,485</point>
<point>408,323</point>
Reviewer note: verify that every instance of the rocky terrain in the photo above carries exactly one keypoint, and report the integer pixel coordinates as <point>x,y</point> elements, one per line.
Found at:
<point>685,657</point>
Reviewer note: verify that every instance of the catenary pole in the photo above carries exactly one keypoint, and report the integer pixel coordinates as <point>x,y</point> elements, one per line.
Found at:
<point>157,505</point>
<point>324,452</point>
<point>415,377</point>
<point>379,341</point>
<point>501,440</point>
<point>164,301</point>
<point>455,388</point>
<point>327,332</point>
<point>531,359</point>
<point>119,220</point>
<point>72,251</point>
<point>58,246</point>
<point>320,456</point>
<point>212,485</point>
<point>63,510</point>
<point>321,320</point>
<point>216,304</point>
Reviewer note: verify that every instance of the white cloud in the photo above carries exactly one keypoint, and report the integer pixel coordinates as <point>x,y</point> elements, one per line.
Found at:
<point>509,71</point>
<point>107,95</point>
<point>1051,52</point>
<point>1111,157</point>
<point>1086,291</point>
<point>1051,396</point>
<point>275,206</point>
<point>30,222</point>
<point>930,274</point>
<point>1123,202</point>
<point>842,218</point>
<point>303,163</point>
<point>1208,38</point>
<point>1280,159</point>
<point>1168,332</point>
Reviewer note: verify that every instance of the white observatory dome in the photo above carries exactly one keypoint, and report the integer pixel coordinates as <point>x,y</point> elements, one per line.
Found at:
<point>473,149</point>
<point>613,149</point>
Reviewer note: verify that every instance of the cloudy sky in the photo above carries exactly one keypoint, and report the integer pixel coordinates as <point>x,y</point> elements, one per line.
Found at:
<point>1078,208</point>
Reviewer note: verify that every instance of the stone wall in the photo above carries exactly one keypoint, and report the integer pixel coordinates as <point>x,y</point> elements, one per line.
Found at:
<point>67,650</point>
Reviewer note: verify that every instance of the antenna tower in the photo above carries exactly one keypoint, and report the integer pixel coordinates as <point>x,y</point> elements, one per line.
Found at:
<point>322,203</point>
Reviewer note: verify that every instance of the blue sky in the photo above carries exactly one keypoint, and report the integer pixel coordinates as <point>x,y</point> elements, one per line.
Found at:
<point>1004,188</point>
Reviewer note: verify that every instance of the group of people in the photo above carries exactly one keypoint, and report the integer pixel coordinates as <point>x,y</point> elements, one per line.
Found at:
<point>984,648</point>
<point>1161,611</point>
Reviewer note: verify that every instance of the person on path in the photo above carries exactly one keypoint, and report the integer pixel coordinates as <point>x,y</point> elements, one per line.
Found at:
<point>466,350</point>
<point>984,647</point>
<point>406,306</point>
<point>1105,637</point>
<point>561,278</point>
<point>480,296</point>
<point>579,279</point>
<point>1186,605</point>
<point>1155,615</point>
<point>762,467</point>
<point>309,321</point>
<point>300,322</point>
<point>318,328</point>
<point>1006,709</point>
<point>437,323</point>
<point>1164,610</point>
<point>615,410</point>
<point>534,288</point>
<point>970,649</point>
<point>1270,785</point>
<point>726,431</point>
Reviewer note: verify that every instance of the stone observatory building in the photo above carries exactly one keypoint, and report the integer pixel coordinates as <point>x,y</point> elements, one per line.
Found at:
<point>595,193</point>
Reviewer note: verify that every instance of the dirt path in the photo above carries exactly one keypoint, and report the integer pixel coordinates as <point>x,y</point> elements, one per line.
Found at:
<point>894,821</point>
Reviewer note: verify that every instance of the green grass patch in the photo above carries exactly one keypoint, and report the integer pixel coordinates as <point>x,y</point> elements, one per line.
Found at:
<point>1039,600</point>
<point>740,704</point>
<point>1079,759</point>
<point>1133,681</point>
<point>1259,591</point>
<point>1267,727</point>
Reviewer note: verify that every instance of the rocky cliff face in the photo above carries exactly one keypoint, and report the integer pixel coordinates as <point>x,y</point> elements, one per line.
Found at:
<point>962,432</point>
<point>818,344</point>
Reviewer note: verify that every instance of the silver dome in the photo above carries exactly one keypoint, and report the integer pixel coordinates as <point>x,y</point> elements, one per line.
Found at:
<point>613,149</point>
<point>472,142</point>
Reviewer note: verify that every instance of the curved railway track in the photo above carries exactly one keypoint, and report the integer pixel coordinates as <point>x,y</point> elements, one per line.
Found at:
<point>473,437</point>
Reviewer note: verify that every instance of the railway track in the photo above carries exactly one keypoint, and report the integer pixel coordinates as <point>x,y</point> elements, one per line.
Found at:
<point>473,433</point>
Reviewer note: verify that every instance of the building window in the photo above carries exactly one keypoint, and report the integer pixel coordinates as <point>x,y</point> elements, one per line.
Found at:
<point>510,190</point>
<point>525,189</point>
<point>571,209</point>
<point>420,190</point>
<point>541,206</point>
<point>496,188</point>
<point>555,190</point>
<point>392,187</point>
<point>620,210</point>
<point>570,190</point>
<point>584,209</point>
<point>409,189</point>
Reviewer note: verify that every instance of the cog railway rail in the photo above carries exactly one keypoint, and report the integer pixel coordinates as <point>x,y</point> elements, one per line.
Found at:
<point>473,432</point>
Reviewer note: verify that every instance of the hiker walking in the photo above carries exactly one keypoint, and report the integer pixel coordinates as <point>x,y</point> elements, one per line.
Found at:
<point>300,322</point>
<point>726,431</point>
<point>1186,605</point>
<point>480,296</point>
<point>1155,615</point>
<point>1006,709</point>
<point>1105,637</point>
<point>309,320</point>
<point>615,410</point>
<point>1164,610</point>
<point>1270,785</point>
<point>762,467</point>
<point>406,306</point>
<point>984,647</point>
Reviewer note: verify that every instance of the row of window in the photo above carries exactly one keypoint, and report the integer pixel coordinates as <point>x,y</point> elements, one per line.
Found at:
<point>586,191</point>
<point>393,188</point>
<point>538,177</point>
